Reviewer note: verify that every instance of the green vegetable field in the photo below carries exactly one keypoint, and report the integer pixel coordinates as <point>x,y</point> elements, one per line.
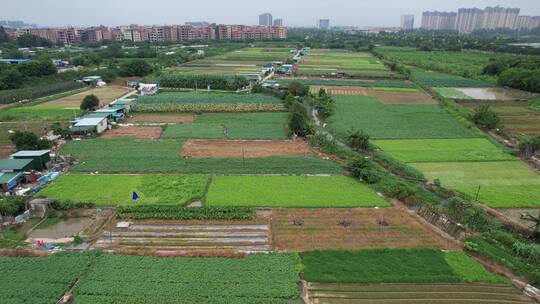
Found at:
<point>259,279</point>
<point>114,190</point>
<point>393,266</point>
<point>40,280</point>
<point>364,84</point>
<point>291,191</point>
<point>507,184</point>
<point>382,121</point>
<point>206,97</point>
<point>443,150</point>
<point>163,156</point>
<point>235,126</point>
<point>436,79</point>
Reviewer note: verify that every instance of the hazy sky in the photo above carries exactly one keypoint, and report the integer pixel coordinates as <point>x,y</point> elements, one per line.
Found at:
<point>294,12</point>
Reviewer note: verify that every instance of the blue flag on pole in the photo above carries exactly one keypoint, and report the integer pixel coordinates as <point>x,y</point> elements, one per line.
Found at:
<point>135,196</point>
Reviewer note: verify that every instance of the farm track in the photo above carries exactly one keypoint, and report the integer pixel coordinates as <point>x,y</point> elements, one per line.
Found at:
<point>319,293</point>
<point>188,238</point>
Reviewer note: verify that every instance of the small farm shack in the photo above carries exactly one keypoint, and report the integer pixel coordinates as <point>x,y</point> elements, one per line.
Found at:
<point>147,89</point>
<point>39,158</point>
<point>125,104</point>
<point>9,181</point>
<point>15,165</point>
<point>88,125</point>
<point>111,113</point>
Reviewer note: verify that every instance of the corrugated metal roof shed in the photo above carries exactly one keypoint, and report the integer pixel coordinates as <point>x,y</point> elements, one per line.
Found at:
<point>90,121</point>
<point>6,178</point>
<point>98,115</point>
<point>15,164</point>
<point>30,153</point>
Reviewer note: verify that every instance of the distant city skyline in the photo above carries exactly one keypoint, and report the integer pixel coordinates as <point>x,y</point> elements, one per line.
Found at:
<point>294,13</point>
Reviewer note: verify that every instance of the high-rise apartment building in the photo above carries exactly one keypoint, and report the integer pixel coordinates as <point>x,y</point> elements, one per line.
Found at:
<point>265,19</point>
<point>323,24</point>
<point>407,22</point>
<point>443,21</point>
<point>278,22</point>
<point>468,20</point>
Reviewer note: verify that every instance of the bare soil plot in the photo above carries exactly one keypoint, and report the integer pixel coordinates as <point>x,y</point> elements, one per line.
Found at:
<point>189,237</point>
<point>335,90</point>
<point>135,132</point>
<point>6,151</point>
<point>150,118</point>
<point>318,229</point>
<point>515,214</point>
<point>106,95</point>
<point>244,148</point>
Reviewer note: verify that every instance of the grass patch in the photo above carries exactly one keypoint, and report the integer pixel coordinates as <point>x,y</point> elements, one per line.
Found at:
<point>291,191</point>
<point>382,121</point>
<point>508,184</point>
<point>392,266</point>
<point>39,113</point>
<point>443,150</point>
<point>114,190</point>
<point>163,156</point>
<point>196,130</point>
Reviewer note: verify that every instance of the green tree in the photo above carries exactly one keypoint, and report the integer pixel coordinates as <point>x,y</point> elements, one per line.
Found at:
<point>135,67</point>
<point>24,140</point>
<point>298,89</point>
<point>90,103</point>
<point>358,140</point>
<point>363,169</point>
<point>37,68</point>
<point>299,120</point>
<point>486,118</point>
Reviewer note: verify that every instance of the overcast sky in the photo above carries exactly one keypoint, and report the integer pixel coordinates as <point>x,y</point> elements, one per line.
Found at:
<point>294,12</point>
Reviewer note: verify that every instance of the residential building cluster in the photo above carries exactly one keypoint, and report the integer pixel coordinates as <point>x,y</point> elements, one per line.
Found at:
<point>193,31</point>
<point>468,20</point>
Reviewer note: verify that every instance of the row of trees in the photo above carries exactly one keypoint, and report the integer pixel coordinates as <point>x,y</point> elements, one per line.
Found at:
<point>13,76</point>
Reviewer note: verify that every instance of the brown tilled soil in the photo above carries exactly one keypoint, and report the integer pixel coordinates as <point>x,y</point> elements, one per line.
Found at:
<point>134,132</point>
<point>106,95</point>
<point>161,118</point>
<point>318,229</point>
<point>6,151</point>
<point>243,148</point>
<point>396,97</point>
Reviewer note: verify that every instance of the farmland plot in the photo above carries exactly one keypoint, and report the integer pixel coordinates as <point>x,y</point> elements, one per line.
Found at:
<point>232,126</point>
<point>318,229</point>
<point>105,95</point>
<point>443,150</point>
<point>40,280</point>
<point>291,192</point>
<point>394,121</point>
<point>260,279</point>
<point>134,132</point>
<point>164,156</point>
<point>244,149</point>
<point>508,184</point>
<point>394,266</point>
<point>436,79</point>
<point>160,118</point>
<point>113,190</point>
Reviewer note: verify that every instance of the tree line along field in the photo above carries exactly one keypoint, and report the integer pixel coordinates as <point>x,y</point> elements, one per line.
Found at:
<point>231,126</point>
<point>244,191</point>
<point>456,63</point>
<point>123,155</point>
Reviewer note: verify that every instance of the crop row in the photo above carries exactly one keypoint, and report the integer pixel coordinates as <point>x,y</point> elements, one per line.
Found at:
<point>365,84</point>
<point>181,213</point>
<point>216,82</point>
<point>208,107</point>
<point>204,97</point>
